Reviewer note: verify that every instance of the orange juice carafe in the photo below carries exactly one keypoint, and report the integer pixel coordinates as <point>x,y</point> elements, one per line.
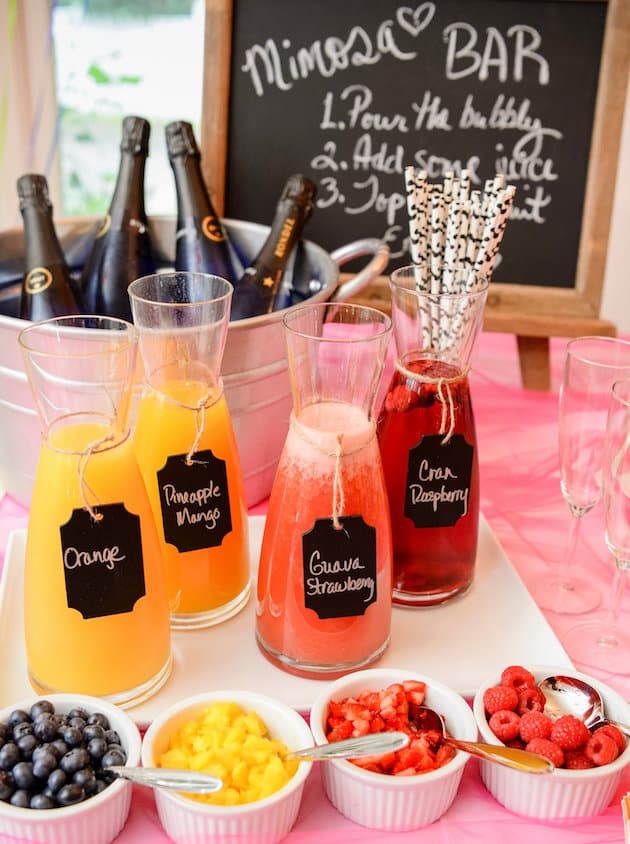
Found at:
<point>325,578</point>
<point>96,612</point>
<point>186,448</point>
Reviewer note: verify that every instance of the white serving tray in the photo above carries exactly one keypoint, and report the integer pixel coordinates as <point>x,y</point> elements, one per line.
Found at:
<point>461,643</point>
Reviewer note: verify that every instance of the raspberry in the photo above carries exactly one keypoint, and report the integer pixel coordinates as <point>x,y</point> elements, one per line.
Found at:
<point>601,749</point>
<point>517,677</point>
<point>505,724</point>
<point>615,733</point>
<point>499,697</point>
<point>530,700</point>
<point>401,399</point>
<point>569,732</point>
<point>534,725</point>
<point>576,760</point>
<point>549,749</point>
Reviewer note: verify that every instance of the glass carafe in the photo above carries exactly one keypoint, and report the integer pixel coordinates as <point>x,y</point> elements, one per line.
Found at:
<point>325,577</point>
<point>96,608</point>
<point>186,446</point>
<point>427,435</point>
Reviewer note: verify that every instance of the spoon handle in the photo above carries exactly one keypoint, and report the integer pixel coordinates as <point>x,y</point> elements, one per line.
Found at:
<point>372,744</point>
<point>194,782</point>
<point>512,757</point>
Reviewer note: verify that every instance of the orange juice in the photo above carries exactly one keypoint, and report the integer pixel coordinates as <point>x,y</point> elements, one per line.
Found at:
<point>106,654</point>
<point>289,632</point>
<point>211,583</point>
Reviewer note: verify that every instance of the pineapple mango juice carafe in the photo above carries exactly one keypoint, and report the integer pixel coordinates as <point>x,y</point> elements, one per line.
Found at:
<point>426,432</point>
<point>96,609</point>
<point>325,579</point>
<point>186,446</point>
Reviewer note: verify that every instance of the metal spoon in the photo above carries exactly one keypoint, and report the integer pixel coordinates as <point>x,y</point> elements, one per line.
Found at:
<point>571,696</point>
<point>372,744</point>
<point>425,718</point>
<point>195,782</point>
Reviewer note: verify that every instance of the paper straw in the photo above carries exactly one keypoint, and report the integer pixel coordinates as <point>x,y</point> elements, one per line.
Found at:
<point>493,231</point>
<point>412,210</point>
<point>422,206</point>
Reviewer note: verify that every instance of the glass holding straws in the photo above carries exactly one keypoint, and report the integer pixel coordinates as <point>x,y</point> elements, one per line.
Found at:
<point>186,446</point>
<point>324,583</point>
<point>426,431</point>
<point>96,613</point>
<point>605,643</point>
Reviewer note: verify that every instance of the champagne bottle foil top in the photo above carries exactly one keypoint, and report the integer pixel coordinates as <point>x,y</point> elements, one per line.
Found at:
<point>299,188</point>
<point>32,189</point>
<point>135,135</point>
<point>180,139</point>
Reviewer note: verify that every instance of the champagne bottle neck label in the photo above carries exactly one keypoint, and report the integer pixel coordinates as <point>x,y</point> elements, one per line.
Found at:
<point>38,280</point>
<point>105,226</point>
<point>212,229</point>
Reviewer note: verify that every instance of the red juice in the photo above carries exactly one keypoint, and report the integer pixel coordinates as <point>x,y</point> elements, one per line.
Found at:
<point>434,493</point>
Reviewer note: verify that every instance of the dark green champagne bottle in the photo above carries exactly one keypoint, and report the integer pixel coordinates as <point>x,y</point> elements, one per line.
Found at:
<point>257,289</point>
<point>122,248</point>
<point>201,242</point>
<point>48,289</point>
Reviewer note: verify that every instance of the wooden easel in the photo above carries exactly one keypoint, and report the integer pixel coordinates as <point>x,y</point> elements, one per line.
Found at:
<point>533,313</point>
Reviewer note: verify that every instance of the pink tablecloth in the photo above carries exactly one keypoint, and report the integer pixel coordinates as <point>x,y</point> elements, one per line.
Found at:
<point>521,500</point>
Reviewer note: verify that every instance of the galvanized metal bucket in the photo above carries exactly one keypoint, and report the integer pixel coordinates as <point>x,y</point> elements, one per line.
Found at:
<point>255,370</point>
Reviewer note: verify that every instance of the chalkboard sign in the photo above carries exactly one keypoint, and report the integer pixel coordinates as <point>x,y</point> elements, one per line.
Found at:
<point>350,92</point>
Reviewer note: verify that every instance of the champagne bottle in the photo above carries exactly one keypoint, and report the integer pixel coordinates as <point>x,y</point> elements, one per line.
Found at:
<point>122,248</point>
<point>48,289</point>
<point>202,244</point>
<point>257,289</point>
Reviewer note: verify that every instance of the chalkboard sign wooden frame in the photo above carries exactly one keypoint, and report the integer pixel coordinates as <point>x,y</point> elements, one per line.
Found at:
<point>532,313</point>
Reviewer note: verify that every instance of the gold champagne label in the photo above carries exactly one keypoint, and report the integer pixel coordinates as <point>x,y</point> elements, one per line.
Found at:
<point>285,234</point>
<point>107,221</point>
<point>38,279</point>
<point>211,229</point>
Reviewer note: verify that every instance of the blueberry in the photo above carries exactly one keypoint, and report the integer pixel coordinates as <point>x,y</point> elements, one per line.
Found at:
<point>113,757</point>
<point>74,760</point>
<point>92,731</point>
<point>97,747</point>
<point>7,785</point>
<point>4,731</point>
<point>44,765</point>
<point>9,756</point>
<point>23,775</point>
<point>27,744</point>
<point>16,717</point>
<point>86,779</point>
<point>99,718</point>
<point>41,707</point>
<point>101,785</point>
<point>112,737</point>
<point>79,712</point>
<point>42,801</point>
<point>59,748</point>
<point>56,779</point>
<point>45,728</point>
<point>70,794</point>
<point>20,798</point>
<point>72,736</point>
<point>77,723</point>
<point>25,728</point>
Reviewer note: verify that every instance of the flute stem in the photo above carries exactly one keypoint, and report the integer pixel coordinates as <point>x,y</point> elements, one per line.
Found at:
<point>608,637</point>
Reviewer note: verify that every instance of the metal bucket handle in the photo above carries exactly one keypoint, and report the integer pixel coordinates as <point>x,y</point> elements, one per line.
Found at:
<point>357,249</point>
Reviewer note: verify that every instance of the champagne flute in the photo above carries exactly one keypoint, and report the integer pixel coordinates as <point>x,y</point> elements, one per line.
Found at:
<point>591,367</point>
<point>603,642</point>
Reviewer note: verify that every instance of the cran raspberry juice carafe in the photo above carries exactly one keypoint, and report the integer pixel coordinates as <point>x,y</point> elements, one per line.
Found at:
<point>427,435</point>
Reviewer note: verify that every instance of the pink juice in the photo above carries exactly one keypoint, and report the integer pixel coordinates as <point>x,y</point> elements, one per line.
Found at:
<point>432,562</point>
<point>289,631</point>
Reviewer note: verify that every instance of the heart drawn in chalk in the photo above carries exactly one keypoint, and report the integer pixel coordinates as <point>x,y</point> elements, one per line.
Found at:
<point>414,21</point>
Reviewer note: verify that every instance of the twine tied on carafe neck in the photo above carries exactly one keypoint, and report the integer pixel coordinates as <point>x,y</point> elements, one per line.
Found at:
<point>84,486</point>
<point>199,408</point>
<point>338,496</point>
<point>444,394</point>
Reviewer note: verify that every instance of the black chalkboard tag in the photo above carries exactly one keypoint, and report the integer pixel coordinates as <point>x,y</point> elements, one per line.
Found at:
<point>194,500</point>
<point>339,567</point>
<point>102,561</point>
<point>438,481</point>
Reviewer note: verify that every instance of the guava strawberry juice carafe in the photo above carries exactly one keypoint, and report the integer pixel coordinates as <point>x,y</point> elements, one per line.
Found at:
<point>96,616</point>
<point>324,582</point>
<point>427,435</point>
